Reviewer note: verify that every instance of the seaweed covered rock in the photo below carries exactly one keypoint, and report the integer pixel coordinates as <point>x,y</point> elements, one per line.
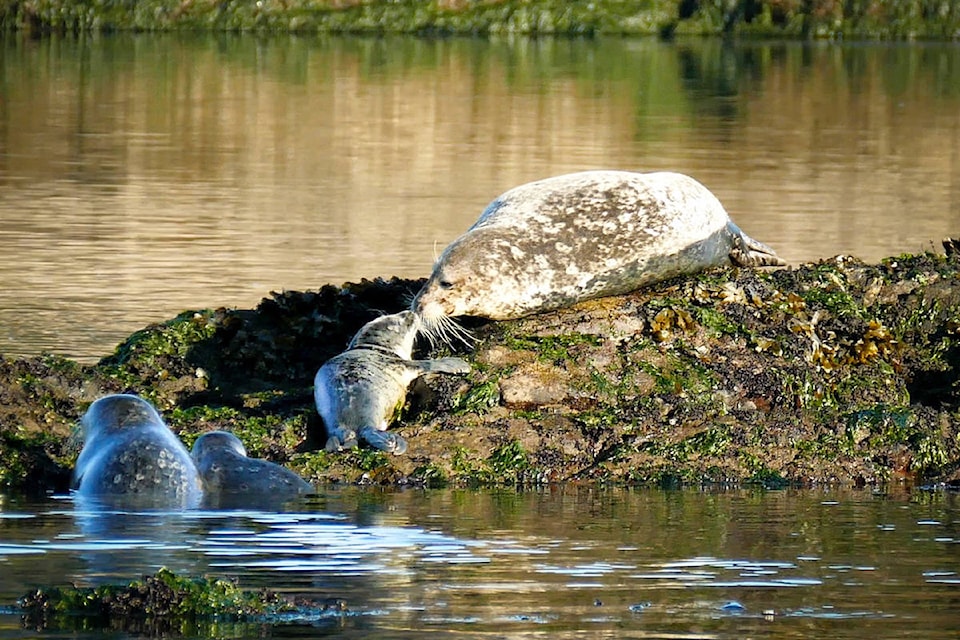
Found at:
<point>159,604</point>
<point>836,371</point>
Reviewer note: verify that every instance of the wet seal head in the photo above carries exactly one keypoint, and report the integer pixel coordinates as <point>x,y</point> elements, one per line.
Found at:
<point>396,333</point>
<point>559,241</point>
<point>230,478</point>
<point>359,392</point>
<point>131,457</point>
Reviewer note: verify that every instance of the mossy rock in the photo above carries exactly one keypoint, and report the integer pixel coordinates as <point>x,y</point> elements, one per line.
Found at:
<point>163,603</point>
<point>835,371</point>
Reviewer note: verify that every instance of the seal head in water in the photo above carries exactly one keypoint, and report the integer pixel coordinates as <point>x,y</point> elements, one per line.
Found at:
<point>231,478</point>
<point>129,455</point>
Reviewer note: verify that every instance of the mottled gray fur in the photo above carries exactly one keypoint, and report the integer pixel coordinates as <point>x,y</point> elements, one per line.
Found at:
<point>559,241</point>
<point>359,392</point>
<point>231,478</point>
<point>129,455</point>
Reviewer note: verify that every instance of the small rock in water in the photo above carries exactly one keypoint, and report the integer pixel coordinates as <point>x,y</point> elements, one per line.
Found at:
<point>598,603</point>
<point>733,605</point>
<point>335,604</point>
<point>640,606</point>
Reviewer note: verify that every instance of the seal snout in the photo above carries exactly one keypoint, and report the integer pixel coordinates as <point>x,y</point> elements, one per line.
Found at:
<point>434,301</point>
<point>428,310</point>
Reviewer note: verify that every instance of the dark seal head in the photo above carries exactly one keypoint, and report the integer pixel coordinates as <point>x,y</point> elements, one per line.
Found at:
<point>131,457</point>
<point>359,392</point>
<point>232,479</point>
<point>559,241</point>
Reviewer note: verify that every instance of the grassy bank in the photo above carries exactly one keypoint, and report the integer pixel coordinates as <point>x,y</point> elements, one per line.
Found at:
<point>850,19</point>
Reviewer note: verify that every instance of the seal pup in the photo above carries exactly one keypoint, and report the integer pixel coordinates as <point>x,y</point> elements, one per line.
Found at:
<point>562,240</point>
<point>231,478</point>
<point>360,391</point>
<point>130,457</point>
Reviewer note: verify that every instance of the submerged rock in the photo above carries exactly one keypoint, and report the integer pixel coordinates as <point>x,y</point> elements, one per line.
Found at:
<point>837,371</point>
<point>158,605</point>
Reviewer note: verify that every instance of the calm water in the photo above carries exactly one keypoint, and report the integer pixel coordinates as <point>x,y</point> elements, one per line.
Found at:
<point>556,563</point>
<point>144,175</point>
<point>140,176</point>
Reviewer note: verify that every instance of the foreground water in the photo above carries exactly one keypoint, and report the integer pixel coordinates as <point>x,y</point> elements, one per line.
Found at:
<point>144,175</point>
<point>558,562</point>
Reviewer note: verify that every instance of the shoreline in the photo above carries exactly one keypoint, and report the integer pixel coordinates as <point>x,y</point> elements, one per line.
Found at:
<point>826,19</point>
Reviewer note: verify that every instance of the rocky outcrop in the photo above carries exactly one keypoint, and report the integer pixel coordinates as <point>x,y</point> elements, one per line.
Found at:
<point>837,371</point>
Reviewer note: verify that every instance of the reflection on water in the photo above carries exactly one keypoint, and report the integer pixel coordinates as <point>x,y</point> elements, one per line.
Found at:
<point>726,564</point>
<point>141,175</point>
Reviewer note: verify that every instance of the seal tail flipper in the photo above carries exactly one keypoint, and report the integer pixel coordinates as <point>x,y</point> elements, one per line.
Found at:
<point>443,365</point>
<point>747,252</point>
<point>382,440</point>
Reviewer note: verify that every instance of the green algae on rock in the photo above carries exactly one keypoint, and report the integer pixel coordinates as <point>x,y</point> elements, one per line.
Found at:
<point>835,371</point>
<point>162,602</point>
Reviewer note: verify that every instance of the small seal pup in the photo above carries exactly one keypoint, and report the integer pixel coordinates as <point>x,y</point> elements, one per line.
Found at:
<point>562,240</point>
<point>359,392</point>
<point>231,478</point>
<point>131,457</point>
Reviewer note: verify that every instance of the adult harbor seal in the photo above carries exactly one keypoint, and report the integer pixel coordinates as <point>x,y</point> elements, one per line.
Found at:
<point>562,240</point>
<point>230,478</point>
<point>131,457</point>
<point>359,392</point>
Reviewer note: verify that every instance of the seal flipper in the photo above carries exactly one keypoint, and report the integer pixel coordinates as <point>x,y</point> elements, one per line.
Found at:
<point>747,252</point>
<point>340,440</point>
<point>443,365</point>
<point>382,440</point>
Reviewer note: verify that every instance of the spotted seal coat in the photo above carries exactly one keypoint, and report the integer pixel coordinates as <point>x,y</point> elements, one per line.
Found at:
<point>230,477</point>
<point>359,392</point>
<point>562,240</point>
<point>129,455</point>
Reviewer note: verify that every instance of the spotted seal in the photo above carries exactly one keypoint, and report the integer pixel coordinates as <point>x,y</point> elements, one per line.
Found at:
<point>359,392</point>
<point>558,241</point>
<point>129,455</point>
<point>231,478</point>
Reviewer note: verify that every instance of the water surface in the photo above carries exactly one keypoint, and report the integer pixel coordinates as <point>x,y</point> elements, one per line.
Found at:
<point>560,562</point>
<point>144,175</point>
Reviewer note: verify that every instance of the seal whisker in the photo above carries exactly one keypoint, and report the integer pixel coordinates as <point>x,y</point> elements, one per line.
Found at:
<point>459,332</point>
<point>446,330</point>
